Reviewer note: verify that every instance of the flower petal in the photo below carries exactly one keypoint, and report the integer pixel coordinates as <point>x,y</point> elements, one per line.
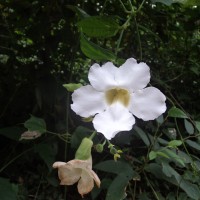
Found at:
<point>85,184</point>
<point>81,164</point>
<point>58,164</point>
<point>95,177</point>
<point>68,174</point>
<point>148,103</point>
<point>133,76</point>
<point>115,119</point>
<point>103,78</point>
<point>87,101</point>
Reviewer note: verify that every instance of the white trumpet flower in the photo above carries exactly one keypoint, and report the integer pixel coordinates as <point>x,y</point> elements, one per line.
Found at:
<point>116,94</point>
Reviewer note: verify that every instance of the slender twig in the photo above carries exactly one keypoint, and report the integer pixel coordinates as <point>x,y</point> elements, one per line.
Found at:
<point>119,41</point>
<point>125,10</point>
<point>140,7</point>
<point>38,188</point>
<point>138,37</point>
<point>154,192</point>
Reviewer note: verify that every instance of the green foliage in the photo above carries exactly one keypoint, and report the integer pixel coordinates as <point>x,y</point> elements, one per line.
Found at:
<point>47,152</point>
<point>99,26</point>
<point>46,45</point>
<point>35,124</point>
<point>177,113</point>
<point>124,172</point>
<point>8,190</point>
<point>93,51</point>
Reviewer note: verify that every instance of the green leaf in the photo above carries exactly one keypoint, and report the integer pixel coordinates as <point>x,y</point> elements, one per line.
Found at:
<point>96,52</point>
<point>105,183</point>
<point>155,169</point>
<point>174,157</point>
<point>142,135</point>
<point>176,113</point>
<point>8,191</point>
<point>47,152</point>
<point>117,189</point>
<point>78,135</point>
<point>160,153</point>
<point>193,144</point>
<point>99,26</point>
<point>152,155</point>
<point>35,124</point>
<point>197,123</point>
<point>175,143</point>
<point>160,119</point>
<point>125,173</point>
<point>13,133</point>
<point>116,167</point>
<point>72,86</point>
<point>169,171</point>
<point>192,190</point>
<point>189,127</point>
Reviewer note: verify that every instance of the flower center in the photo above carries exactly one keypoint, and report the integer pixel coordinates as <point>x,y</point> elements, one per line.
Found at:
<point>118,94</point>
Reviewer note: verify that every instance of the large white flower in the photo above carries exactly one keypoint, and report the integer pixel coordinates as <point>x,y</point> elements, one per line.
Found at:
<point>116,94</point>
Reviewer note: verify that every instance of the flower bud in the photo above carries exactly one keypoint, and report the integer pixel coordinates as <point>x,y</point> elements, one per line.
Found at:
<point>113,150</point>
<point>99,148</point>
<point>84,150</point>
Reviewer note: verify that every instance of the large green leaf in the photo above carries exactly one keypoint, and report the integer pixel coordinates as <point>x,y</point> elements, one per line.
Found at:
<point>192,190</point>
<point>177,113</point>
<point>189,127</point>
<point>118,167</point>
<point>96,52</point>
<point>13,133</point>
<point>35,124</point>
<point>8,191</point>
<point>124,173</point>
<point>117,189</point>
<point>193,144</point>
<point>169,171</point>
<point>197,123</point>
<point>142,135</point>
<point>175,143</point>
<point>171,176</point>
<point>47,152</point>
<point>174,157</point>
<point>99,26</point>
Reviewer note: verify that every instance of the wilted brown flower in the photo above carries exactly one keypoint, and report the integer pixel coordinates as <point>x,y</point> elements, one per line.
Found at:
<point>78,171</point>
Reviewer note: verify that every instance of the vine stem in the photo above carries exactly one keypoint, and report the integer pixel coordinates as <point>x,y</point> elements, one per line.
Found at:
<point>138,37</point>
<point>125,10</point>
<point>154,192</point>
<point>119,42</point>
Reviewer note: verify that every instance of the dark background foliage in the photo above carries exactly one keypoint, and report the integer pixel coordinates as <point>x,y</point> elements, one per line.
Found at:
<point>41,48</point>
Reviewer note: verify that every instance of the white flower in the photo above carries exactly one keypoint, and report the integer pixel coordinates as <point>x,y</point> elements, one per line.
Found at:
<point>116,94</point>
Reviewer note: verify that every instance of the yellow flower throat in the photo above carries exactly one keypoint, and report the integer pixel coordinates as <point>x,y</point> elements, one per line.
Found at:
<point>118,95</point>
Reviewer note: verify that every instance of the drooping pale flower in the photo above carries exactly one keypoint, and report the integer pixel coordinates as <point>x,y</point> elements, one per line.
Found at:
<point>78,171</point>
<point>29,135</point>
<point>116,94</point>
